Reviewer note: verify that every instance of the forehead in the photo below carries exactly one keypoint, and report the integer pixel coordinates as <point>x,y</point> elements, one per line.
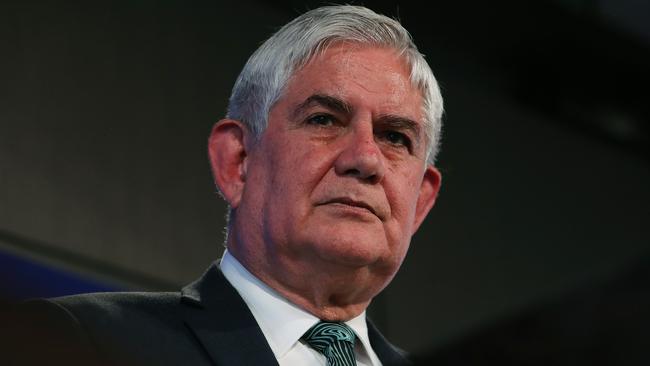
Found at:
<point>360,75</point>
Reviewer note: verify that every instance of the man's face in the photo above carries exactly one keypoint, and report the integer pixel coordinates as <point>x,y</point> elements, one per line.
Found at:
<point>338,182</point>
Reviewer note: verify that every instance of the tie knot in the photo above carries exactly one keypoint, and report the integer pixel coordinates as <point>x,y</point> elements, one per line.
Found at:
<point>334,340</point>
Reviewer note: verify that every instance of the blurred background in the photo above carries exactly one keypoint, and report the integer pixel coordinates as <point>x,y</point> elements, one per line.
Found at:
<point>537,251</point>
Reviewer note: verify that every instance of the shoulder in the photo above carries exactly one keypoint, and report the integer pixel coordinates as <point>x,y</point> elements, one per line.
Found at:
<point>115,306</point>
<point>125,328</point>
<point>388,353</point>
<point>111,327</point>
<point>122,317</point>
<point>109,311</point>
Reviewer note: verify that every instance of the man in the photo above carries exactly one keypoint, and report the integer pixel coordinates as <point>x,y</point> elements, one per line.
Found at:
<point>326,161</point>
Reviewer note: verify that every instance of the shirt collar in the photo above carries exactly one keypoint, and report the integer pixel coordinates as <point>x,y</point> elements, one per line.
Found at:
<point>282,322</point>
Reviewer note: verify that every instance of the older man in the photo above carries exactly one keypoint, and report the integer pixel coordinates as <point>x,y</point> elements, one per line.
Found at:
<point>326,160</point>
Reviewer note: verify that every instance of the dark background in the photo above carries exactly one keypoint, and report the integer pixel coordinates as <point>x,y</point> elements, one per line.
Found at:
<point>105,109</point>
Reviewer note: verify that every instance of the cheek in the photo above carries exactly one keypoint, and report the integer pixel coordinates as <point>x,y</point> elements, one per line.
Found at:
<point>309,161</point>
<point>293,172</point>
<point>279,162</point>
<point>403,194</point>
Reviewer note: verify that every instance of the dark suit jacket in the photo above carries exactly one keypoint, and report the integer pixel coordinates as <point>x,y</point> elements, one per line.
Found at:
<point>207,323</point>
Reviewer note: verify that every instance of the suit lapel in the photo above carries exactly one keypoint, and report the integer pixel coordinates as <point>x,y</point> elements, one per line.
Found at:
<point>222,322</point>
<point>388,354</point>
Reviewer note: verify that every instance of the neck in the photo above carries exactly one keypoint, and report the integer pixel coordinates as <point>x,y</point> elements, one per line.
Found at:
<point>324,302</point>
<point>321,292</point>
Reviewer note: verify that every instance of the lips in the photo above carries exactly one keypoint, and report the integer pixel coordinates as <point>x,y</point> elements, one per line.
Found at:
<point>351,202</point>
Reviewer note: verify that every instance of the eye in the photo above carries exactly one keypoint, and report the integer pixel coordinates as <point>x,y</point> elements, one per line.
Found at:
<point>397,138</point>
<point>322,120</point>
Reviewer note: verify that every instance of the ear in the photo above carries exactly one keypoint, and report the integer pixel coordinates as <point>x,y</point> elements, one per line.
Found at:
<point>428,193</point>
<point>228,153</point>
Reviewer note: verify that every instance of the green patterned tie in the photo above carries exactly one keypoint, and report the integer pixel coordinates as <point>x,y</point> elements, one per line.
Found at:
<point>335,341</point>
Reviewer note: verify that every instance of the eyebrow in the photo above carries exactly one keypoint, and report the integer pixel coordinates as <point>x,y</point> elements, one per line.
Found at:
<point>327,101</point>
<point>386,120</point>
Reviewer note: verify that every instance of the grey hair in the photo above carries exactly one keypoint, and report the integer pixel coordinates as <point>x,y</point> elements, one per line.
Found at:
<point>267,72</point>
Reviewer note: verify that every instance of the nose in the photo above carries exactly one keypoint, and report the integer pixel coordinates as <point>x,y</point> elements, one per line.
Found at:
<point>360,157</point>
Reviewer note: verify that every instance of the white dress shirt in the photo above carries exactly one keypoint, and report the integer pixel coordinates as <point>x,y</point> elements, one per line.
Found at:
<point>283,323</point>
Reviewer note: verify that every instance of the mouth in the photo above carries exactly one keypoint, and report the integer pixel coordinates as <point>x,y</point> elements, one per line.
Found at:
<point>352,203</point>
